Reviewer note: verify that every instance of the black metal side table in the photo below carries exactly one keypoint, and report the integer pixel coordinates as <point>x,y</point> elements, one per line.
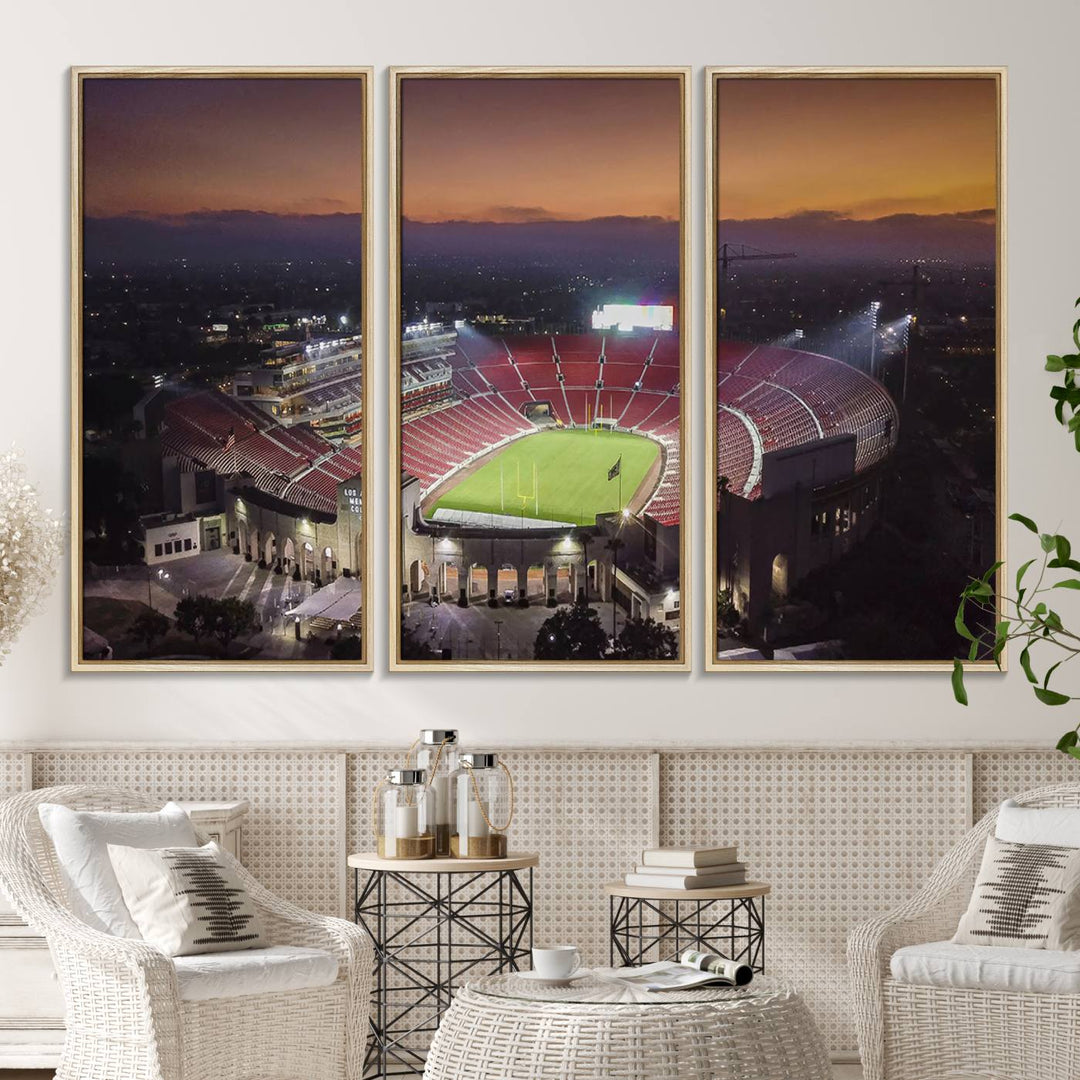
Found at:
<point>659,924</point>
<point>433,922</point>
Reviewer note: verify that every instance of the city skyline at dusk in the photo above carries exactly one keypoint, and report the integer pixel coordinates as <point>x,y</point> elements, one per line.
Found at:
<point>540,149</point>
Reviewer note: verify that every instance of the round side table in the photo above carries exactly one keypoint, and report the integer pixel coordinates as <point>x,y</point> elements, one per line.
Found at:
<point>594,1029</point>
<point>431,922</point>
<point>729,920</point>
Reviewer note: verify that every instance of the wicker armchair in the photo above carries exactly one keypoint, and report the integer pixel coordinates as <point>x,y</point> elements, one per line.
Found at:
<point>911,1032</point>
<point>124,1016</point>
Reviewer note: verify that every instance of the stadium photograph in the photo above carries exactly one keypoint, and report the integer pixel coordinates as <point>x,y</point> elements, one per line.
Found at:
<point>218,435</point>
<point>540,419</point>
<point>854,363</point>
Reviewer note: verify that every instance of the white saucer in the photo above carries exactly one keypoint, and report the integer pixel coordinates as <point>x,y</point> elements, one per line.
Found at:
<point>536,977</point>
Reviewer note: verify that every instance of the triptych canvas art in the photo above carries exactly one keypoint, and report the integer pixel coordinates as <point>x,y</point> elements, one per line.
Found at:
<point>540,367</point>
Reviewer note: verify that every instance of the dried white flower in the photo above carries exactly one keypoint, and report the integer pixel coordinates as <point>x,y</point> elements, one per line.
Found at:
<point>31,540</point>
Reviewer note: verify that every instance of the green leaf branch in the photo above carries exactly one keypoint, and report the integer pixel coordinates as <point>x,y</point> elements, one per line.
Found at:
<point>988,620</point>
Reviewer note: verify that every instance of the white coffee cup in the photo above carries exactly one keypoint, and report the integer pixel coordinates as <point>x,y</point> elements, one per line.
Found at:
<point>556,961</point>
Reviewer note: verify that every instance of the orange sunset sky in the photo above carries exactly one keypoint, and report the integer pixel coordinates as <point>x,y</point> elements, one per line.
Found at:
<point>171,146</point>
<point>538,149</point>
<point>863,147</point>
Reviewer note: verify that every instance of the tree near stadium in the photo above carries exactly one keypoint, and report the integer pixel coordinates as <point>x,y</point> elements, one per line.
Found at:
<point>227,619</point>
<point>645,639</point>
<point>572,633</point>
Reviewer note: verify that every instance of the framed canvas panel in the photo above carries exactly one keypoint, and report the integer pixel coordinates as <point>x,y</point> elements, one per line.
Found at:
<point>855,362</point>
<point>539,344</point>
<point>220,394</point>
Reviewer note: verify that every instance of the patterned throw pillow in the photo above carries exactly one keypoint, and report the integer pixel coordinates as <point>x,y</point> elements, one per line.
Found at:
<point>186,900</point>
<point>1026,895</point>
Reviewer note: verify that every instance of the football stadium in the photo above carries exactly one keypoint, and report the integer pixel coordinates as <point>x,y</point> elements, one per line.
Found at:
<point>519,451</point>
<point>800,438</point>
<point>251,471</point>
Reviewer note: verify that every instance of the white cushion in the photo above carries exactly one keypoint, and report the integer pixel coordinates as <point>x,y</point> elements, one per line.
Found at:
<point>187,900</point>
<point>988,967</point>
<point>81,838</point>
<point>253,971</point>
<point>1057,825</point>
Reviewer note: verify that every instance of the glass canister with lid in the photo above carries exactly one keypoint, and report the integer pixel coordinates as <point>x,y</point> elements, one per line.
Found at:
<point>437,754</point>
<point>484,794</point>
<point>405,811</point>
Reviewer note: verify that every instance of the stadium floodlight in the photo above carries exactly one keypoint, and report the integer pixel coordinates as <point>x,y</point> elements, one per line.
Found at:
<point>629,317</point>
<point>344,320</point>
<point>626,512</point>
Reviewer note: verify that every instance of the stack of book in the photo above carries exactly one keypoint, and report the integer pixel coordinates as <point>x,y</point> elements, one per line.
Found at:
<point>688,868</point>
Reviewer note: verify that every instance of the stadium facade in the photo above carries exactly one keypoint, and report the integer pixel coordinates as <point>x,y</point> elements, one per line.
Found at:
<point>280,495</point>
<point>315,382</point>
<point>800,441</point>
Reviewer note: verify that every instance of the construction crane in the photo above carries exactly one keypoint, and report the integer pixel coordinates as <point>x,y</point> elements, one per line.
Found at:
<point>730,253</point>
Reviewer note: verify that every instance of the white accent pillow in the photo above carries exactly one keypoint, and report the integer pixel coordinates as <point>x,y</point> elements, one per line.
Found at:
<point>187,900</point>
<point>80,839</point>
<point>1056,825</point>
<point>1025,896</point>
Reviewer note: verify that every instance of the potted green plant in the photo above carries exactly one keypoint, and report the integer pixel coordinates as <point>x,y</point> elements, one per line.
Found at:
<point>988,620</point>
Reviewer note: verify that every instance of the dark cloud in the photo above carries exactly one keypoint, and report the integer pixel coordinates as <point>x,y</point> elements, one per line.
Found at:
<point>832,236</point>
<point>616,237</point>
<point>222,236</point>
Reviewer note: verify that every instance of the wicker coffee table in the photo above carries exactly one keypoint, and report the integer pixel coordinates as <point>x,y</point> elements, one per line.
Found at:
<point>503,1026</point>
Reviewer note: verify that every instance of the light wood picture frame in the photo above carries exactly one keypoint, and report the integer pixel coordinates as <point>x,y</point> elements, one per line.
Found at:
<point>918,253</point>
<point>477,570</point>
<point>221,313</point>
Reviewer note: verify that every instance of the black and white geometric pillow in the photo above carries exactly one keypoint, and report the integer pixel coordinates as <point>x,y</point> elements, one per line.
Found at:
<point>186,900</point>
<point>1026,895</point>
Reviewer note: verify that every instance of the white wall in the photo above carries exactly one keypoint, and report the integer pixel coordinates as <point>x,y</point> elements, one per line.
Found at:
<point>40,700</point>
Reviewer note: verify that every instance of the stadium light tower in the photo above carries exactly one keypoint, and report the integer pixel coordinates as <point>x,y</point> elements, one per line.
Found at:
<point>875,307</point>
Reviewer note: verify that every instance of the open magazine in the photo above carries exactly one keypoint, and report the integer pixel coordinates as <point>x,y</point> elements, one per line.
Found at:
<point>693,969</point>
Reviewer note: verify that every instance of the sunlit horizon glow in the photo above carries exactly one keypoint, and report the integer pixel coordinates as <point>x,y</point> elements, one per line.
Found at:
<point>175,146</point>
<point>862,148</point>
<point>540,149</point>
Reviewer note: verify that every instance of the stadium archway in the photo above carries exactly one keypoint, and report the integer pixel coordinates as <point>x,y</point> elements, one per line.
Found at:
<point>535,579</point>
<point>780,576</point>
<point>454,580</point>
<point>327,564</point>
<point>290,553</point>
<point>307,566</point>
<point>269,548</point>
<point>253,540</point>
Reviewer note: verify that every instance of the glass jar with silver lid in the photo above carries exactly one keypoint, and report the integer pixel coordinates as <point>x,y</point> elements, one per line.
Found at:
<point>484,792</point>
<point>437,754</point>
<point>405,811</point>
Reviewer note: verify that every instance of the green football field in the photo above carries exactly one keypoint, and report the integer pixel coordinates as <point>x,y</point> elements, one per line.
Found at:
<point>557,476</point>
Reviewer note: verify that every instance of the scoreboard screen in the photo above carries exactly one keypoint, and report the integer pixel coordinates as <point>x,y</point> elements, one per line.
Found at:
<point>628,317</point>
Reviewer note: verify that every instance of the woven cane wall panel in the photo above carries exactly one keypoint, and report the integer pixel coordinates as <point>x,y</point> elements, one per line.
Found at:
<point>13,776</point>
<point>290,836</point>
<point>587,814</point>
<point>998,776</point>
<point>840,836</point>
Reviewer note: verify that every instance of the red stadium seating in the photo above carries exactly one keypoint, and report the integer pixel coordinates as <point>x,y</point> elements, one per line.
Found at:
<point>790,397</point>
<point>209,430</point>
<point>493,398</point>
